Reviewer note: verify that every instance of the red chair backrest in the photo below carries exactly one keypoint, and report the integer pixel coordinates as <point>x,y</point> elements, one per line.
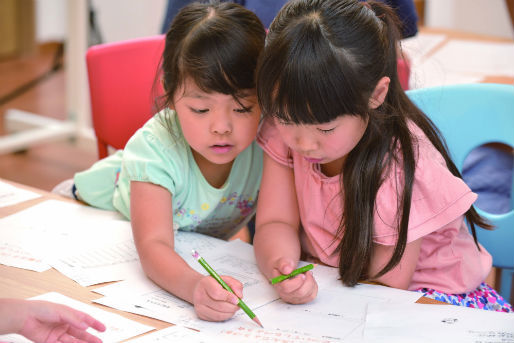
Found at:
<point>122,87</point>
<point>403,68</point>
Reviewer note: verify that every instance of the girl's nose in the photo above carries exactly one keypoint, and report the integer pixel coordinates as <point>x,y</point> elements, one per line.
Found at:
<point>221,124</point>
<point>304,143</point>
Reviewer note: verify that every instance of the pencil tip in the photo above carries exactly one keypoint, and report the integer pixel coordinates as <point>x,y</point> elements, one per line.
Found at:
<point>255,319</point>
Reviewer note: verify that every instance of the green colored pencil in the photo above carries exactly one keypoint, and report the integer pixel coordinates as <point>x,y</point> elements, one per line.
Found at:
<point>215,275</point>
<point>300,270</point>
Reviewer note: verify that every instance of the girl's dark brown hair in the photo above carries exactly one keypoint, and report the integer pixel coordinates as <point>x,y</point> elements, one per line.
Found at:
<point>323,59</point>
<point>216,45</point>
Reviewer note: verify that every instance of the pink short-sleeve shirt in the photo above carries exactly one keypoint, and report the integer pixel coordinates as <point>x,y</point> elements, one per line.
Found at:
<point>449,260</point>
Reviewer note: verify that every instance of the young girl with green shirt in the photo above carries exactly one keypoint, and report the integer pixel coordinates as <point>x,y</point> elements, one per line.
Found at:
<point>195,165</point>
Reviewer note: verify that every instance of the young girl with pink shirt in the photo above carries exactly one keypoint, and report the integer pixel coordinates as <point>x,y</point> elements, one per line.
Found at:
<point>355,175</point>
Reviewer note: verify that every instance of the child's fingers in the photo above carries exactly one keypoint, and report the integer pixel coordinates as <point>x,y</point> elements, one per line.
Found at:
<point>217,313</point>
<point>216,292</point>
<point>291,285</point>
<point>213,303</point>
<point>82,336</point>
<point>234,284</point>
<point>285,266</point>
<point>222,306</point>
<point>216,297</point>
<point>300,289</point>
<point>95,324</point>
<point>80,320</point>
<point>311,287</point>
<point>65,338</point>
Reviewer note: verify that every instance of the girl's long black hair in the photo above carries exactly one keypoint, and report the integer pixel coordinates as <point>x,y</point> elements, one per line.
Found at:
<point>323,59</point>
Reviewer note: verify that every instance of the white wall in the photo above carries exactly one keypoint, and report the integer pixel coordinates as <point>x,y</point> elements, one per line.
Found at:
<point>116,19</point>
<point>51,20</point>
<point>489,17</point>
<point>125,19</point>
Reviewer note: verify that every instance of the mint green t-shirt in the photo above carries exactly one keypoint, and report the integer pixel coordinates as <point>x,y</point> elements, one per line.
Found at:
<point>158,153</point>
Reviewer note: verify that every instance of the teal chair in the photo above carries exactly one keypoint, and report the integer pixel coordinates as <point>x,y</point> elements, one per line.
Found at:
<point>469,116</point>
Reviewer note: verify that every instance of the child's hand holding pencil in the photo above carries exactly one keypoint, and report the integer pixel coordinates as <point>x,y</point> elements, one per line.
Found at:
<point>213,303</point>
<point>235,297</point>
<point>295,286</point>
<point>295,272</point>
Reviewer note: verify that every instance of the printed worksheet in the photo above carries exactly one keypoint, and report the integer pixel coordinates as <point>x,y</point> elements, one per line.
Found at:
<point>109,260</point>
<point>11,195</point>
<point>53,229</point>
<point>116,258</point>
<point>177,334</point>
<point>140,295</point>
<point>14,251</point>
<point>241,335</point>
<point>436,323</point>
<point>30,236</point>
<point>88,245</point>
<point>339,312</point>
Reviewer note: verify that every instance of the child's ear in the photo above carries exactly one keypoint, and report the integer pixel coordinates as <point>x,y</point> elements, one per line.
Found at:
<point>379,93</point>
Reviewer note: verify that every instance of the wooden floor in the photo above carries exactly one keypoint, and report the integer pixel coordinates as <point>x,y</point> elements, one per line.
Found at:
<point>43,165</point>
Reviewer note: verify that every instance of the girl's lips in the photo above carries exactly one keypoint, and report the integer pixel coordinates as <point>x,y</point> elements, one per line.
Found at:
<point>221,149</point>
<point>313,160</point>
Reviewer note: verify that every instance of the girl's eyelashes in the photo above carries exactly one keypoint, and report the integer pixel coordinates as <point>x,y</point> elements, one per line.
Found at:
<point>199,111</point>
<point>326,131</point>
<point>238,110</point>
<point>323,131</point>
<point>244,109</point>
<point>283,122</point>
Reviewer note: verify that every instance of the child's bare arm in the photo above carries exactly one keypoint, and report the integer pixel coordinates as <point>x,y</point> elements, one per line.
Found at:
<point>152,226</point>
<point>277,243</point>
<point>278,219</point>
<point>401,275</point>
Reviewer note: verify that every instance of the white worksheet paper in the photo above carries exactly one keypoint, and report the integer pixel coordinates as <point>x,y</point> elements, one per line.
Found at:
<point>86,244</point>
<point>240,335</point>
<point>338,311</point>
<point>235,258</point>
<point>177,334</point>
<point>52,226</point>
<point>11,195</point>
<point>118,328</point>
<point>116,258</point>
<point>257,334</point>
<point>436,323</point>
<point>14,250</point>
<point>104,260</point>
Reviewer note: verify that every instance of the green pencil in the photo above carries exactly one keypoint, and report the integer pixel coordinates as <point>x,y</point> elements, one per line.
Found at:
<point>300,270</point>
<point>215,275</point>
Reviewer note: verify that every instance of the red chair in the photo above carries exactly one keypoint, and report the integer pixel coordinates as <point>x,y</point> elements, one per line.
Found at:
<point>122,88</point>
<point>403,72</point>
